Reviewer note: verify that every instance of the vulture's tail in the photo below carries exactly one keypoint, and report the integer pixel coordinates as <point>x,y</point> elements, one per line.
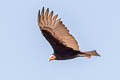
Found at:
<point>88,54</point>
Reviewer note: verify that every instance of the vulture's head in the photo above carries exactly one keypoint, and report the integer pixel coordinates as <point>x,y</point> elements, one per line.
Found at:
<point>52,57</point>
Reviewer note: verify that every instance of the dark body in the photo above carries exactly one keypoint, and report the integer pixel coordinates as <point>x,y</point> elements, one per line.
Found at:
<point>67,53</point>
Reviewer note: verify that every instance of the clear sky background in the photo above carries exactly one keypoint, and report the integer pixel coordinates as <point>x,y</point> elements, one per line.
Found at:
<point>24,51</point>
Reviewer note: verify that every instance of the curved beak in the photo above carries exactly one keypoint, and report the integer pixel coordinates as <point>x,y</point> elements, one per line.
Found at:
<point>49,60</point>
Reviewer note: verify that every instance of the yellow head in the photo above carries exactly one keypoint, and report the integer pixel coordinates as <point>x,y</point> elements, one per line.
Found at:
<point>52,57</point>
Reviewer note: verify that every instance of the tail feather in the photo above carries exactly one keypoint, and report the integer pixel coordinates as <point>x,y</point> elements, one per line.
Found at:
<point>92,53</point>
<point>88,54</point>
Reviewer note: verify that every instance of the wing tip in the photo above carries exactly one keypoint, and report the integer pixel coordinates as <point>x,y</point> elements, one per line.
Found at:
<point>39,17</point>
<point>47,9</point>
<point>42,13</point>
<point>43,7</point>
<point>38,13</point>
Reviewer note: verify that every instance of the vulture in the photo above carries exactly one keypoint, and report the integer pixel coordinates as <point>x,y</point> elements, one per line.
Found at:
<point>63,43</point>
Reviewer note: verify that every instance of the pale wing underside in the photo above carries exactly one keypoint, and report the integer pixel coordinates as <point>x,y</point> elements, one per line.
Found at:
<point>57,29</point>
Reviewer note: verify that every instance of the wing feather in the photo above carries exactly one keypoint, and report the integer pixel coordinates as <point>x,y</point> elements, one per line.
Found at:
<point>42,14</point>
<point>39,18</point>
<point>46,16</point>
<point>55,31</point>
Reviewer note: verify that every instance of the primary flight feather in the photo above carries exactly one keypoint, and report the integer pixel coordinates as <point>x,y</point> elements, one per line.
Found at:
<point>63,43</point>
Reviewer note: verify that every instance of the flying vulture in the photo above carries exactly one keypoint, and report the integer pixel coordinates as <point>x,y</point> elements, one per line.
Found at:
<point>63,43</point>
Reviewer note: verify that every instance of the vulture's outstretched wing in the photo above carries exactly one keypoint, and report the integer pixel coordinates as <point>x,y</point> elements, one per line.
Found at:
<point>55,32</point>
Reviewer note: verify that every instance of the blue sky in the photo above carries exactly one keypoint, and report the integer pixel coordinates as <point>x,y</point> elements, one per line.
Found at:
<point>24,51</point>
